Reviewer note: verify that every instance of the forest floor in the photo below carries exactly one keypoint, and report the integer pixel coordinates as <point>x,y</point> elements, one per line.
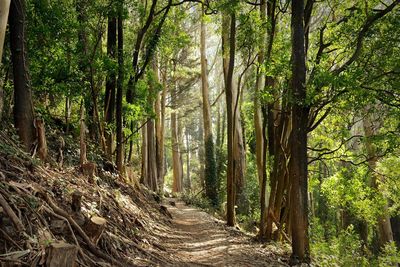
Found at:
<point>39,216</point>
<point>198,239</point>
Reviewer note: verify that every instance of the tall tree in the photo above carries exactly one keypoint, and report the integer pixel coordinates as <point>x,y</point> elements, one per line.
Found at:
<point>176,153</point>
<point>149,153</point>
<point>120,83</point>
<point>109,101</point>
<point>23,106</point>
<point>298,145</point>
<point>372,125</point>
<point>258,120</point>
<point>228,50</point>
<point>211,179</point>
<point>160,127</point>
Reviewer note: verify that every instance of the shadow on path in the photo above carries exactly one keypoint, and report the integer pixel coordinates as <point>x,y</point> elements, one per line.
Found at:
<point>195,238</point>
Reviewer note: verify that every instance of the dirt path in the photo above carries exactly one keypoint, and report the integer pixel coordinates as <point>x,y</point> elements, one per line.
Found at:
<point>198,239</point>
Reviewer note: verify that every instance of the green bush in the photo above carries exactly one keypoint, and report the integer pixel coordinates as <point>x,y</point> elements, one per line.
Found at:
<point>197,200</point>
<point>343,250</point>
<point>390,256</point>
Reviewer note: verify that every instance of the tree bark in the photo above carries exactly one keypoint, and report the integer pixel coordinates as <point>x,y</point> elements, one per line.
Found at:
<point>4,9</point>
<point>176,158</point>
<point>228,50</point>
<point>82,137</point>
<point>160,129</point>
<point>109,104</point>
<point>23,106</point>
<point>41,136</point>
<point>120,81</point>
<point>61,254</point>
<point>258,124</point>
<point>210,175</point>
<point>94,228</point>
<point>270,137</point>
<point>145,169</point>
<point>298,145</point>
<point>188,157</point>
<point>149,166</point>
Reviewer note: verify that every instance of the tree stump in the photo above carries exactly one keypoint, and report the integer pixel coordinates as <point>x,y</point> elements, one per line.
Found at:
<point>41,135</point>
<point>60,154</point>
<point>59,226</point>
<point>94,228</point>
<point>61,254</point>
<point>89,170</point>
<point>76,201</point>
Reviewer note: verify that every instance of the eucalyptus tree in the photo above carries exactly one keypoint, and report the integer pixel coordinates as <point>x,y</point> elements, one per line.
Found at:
<point>210,176</point>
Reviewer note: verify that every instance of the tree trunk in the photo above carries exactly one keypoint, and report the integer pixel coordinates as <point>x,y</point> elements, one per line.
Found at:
<point>258,125</point>
<point>239,153</point>
<point>176,160</point>
<point>60,254</point>
<point>82,137</point>
<point>298,145</point>
<point>23,106</point>
<point>210,174</point>
<point>67,114</point>
<point>4,9</point>
<point>229,45</point>
<point>109,101</point>
<point>145,162</point>
<point>89,93</point>
<point>94,228</point>
<point>371,127</point>
<point>220,140</point>
<point>181,148</point>
<point>120,81</point>
<point>160,129</point>
<point>188,156</point>
<point>150,156</point>
<point>41,137</point>
<point>270,117</point>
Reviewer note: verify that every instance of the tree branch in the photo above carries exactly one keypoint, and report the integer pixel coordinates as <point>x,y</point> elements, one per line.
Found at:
<point>361,35</point>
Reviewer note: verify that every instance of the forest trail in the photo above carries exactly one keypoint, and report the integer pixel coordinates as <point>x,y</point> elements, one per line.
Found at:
<point>199,239</point>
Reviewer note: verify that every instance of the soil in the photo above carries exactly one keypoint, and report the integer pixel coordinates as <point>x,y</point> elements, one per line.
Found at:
<point>196,238</point>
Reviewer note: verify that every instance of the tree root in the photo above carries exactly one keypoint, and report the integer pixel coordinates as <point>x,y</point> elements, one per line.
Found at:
<point>92,248</point>
<point>11,214</point>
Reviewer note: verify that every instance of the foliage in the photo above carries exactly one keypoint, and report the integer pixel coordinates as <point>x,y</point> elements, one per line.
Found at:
<point>197,200</point>
<point>210,173</point>
<point>343,250</point>
<point>390,256</point>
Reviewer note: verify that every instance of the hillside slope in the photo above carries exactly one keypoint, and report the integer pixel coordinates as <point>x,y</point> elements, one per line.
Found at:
<point>55,217</point>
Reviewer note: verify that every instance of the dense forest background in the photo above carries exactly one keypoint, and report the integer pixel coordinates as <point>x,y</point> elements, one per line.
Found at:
<point>280,116</point>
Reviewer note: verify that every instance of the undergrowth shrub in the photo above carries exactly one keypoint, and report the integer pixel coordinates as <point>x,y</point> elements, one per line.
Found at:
<point>390,256</point>
<point>196,200</point>
<point>343,250</point>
